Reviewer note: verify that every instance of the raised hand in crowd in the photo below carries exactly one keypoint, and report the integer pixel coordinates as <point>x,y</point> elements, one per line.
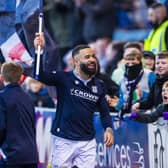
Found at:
<point>112,101</point>
<point>135,107</point>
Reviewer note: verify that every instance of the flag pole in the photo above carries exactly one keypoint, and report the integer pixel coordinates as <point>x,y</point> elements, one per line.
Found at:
<point>39,47</point>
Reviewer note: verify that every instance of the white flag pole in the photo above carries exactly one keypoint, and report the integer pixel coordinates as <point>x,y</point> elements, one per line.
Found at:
<point>39,47</point>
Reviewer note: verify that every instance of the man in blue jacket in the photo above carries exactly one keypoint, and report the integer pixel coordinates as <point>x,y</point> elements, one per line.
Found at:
<point>17,121</point>
<point>79,95</point>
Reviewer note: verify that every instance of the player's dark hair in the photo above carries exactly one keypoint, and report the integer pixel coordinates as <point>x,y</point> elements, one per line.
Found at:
<point>156,5</point>
<point>76,50</point>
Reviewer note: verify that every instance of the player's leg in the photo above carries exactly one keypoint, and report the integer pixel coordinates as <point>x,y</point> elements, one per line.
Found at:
<point>62,153</point>
<point>86,155</point>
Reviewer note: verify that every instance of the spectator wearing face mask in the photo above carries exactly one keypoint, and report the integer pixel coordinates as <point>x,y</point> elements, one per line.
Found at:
<point>137,81</point>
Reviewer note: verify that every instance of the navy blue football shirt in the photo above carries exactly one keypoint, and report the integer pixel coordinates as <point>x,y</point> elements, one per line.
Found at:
<point>77,101</point>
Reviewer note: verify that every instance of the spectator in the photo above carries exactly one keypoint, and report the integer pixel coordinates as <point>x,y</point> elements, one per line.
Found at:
<point>158,112</point>
<point>56,13</point>
<point>39,93</point>
<point>154,98</point>
<point>99,19</point>
<point>158,38</point>
<point>136,82</point>
<point>69,62</point>
<point>114,54</point>
<point>139,14</point>
<point>111,88</point>
<point>149,60</point>
<point>17,121</point>
<point>123,10</point>
<point>118,73</point>
<point>65,22</point>
<point>101,45</point>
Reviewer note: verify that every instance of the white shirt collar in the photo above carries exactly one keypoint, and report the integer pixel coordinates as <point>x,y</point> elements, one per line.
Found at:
<point>81,79</point>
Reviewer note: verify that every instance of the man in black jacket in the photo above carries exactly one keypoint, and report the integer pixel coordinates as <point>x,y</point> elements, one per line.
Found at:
<point>17,121</point>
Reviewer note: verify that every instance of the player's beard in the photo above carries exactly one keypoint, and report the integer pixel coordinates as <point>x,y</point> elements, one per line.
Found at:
<point>87,70</point>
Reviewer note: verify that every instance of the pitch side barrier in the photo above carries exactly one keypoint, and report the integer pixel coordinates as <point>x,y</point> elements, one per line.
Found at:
<point>136,145</point>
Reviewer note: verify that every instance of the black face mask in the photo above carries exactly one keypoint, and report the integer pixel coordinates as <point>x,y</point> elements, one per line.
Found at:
<point>88,71</point>
<point>131,72</point>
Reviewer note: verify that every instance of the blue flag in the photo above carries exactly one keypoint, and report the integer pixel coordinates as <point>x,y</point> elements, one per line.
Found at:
<point>30,13</point>
<point>7,28</point>
<point>11,46</point>
<point>19,23</point>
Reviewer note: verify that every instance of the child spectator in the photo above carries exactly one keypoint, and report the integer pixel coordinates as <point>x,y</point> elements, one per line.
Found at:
<point>39,93</point>
<point>154,98</point>
<point>161,109</point>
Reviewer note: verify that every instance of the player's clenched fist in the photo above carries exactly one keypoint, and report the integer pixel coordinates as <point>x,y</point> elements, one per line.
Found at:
<point>39,40</point>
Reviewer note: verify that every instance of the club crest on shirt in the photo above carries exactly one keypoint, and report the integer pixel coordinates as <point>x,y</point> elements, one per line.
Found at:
<point>94,89</point>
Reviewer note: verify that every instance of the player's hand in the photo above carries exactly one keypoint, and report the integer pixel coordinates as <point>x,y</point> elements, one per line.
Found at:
<point>108,137</point>
<point>39,40</point>
<point>135,107</point>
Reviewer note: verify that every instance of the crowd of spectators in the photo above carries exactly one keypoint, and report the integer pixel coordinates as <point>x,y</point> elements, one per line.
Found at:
<point>104,25</point>
<point>130,41</point>
<point>107,26</point>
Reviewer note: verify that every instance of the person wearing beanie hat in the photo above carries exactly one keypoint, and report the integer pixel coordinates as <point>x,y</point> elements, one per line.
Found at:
<point>149,60</point>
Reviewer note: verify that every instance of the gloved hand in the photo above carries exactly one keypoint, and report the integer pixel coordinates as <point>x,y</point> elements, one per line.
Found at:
<point>165,115</point>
